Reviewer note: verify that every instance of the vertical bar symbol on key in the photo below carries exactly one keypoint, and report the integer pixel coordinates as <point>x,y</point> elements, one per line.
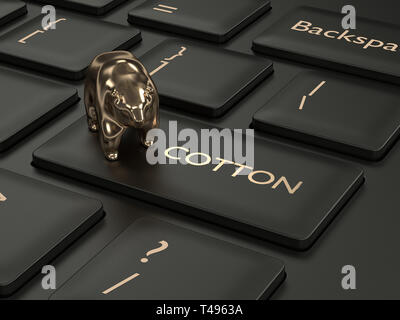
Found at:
<point>164,8</point>
<point>303,100</point>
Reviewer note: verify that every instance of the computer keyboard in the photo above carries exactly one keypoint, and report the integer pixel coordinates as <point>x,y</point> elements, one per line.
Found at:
<point>28,102</point>
<point>318,108</point>
<point>183,255</point>
<point>56,51</point>
<point>315,36</point>
<point>221,234</point>
<point>10,10</point>
<point>216,21</point>
<point>275,201</point>
<point>177,67</point>
<point>95,7</point>
<point>34,231</point>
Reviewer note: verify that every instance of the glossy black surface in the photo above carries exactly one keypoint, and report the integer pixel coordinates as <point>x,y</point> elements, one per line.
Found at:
<point>27,103</point>
<point>365,233</point>
<point>37,222</point>
<point>315,36</point>
<point>190,265</point>
<point>347,114</point>
<point>59,51</point>
<point>208,19</point>
<point>10,10</point>
<point>292,215</point>
<point>203,79</point>
<point>96,7</point>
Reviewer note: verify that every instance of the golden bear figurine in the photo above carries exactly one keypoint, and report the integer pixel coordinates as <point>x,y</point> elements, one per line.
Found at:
<point>119,94</point>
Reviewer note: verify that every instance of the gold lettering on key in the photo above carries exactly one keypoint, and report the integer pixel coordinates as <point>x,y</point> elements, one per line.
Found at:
<point>53,22</point>
<point>29,36</point>
<point>167,61</point>
<point>2,197</point>
<point>263,177</point>
<point>121,283</point>
<point>163,246</point>
<point>166,9</point>
<point>303,100</point>
<point>365,42</point>
<point>23,40</point>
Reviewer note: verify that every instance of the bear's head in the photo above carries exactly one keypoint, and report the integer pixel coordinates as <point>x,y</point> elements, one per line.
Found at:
<point>130,95</point>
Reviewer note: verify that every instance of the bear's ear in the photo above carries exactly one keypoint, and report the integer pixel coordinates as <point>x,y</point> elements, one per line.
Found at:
<point>149,88</point>
<point>149,92</point>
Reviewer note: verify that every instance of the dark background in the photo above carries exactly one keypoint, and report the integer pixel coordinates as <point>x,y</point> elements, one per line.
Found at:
<point>365,233</point>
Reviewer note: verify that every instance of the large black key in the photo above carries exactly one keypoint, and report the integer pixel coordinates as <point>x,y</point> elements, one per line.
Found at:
<point>184,265</point>
<point>348,114</point>
<point>10,10</point>
<point>27,103</point>
<point>203,79</point>
<point>287,196</point>
<point>67,50</point>
<point>96,7</point>
<point>315,36</point>
<point>210,20</point>
<point>37,222</point>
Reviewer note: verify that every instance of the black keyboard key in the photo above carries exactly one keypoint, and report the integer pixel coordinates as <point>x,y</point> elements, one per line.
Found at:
<point>185,265</point>
<point>289,197</point>
<point>210,20</point>
<point>347,114</point>
<point>315,36</point>
<point>27,103</point>
<point>203,79</point>
<point>10,10</point>
<point>67,50</point>
<point>96,7</point>
<point>37,222</point>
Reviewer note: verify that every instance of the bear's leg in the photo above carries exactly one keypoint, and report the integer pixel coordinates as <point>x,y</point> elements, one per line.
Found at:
<point>110,147</point>
<point>91,115</point>
<point>92,119</point>
<point>143,137</point>
<point>110,138</point>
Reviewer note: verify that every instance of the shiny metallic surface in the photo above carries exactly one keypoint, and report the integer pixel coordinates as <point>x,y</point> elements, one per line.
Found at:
<point>119,94</point>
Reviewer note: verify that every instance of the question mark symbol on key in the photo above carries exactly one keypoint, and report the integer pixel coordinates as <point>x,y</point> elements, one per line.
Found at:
<point>164,245</point>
